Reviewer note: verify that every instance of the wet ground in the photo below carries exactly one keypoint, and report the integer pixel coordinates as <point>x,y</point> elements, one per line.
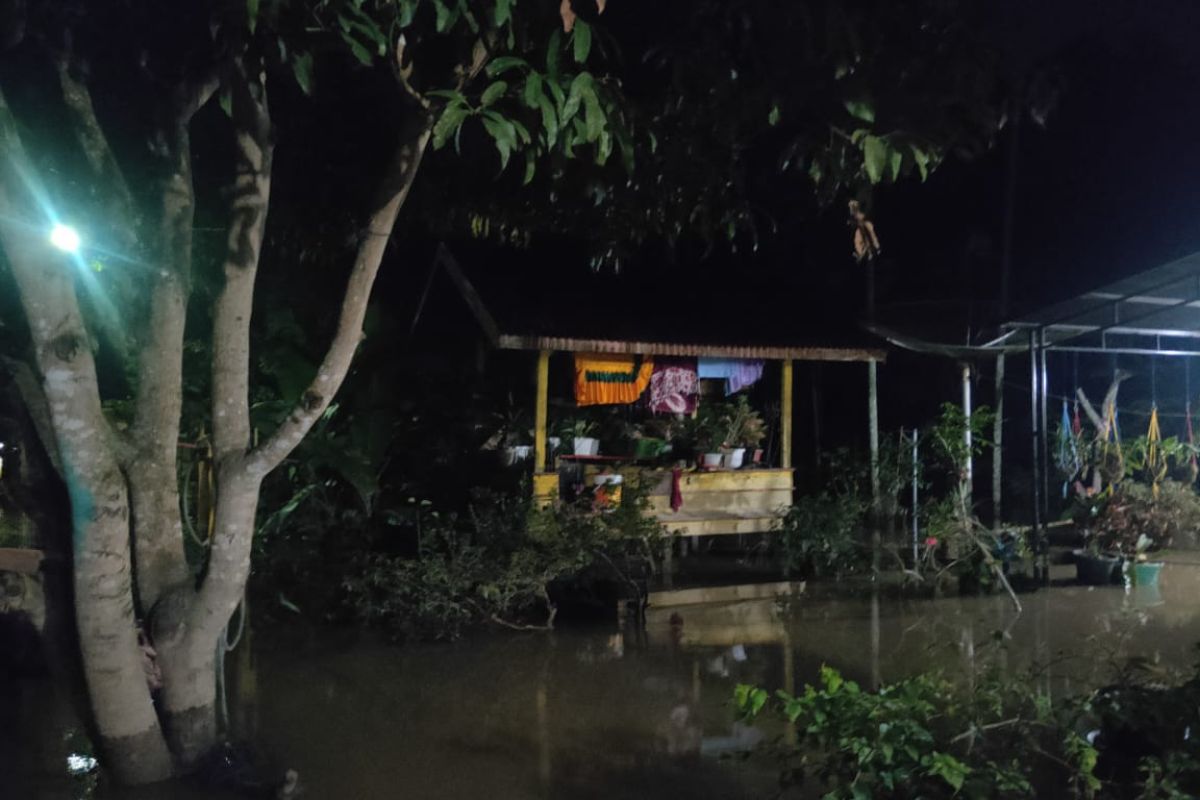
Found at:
<point>608,712</point>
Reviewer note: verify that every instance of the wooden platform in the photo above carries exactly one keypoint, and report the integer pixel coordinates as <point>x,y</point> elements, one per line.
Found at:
<point>724,502</point>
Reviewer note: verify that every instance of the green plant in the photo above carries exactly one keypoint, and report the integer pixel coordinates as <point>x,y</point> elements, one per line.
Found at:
<point>499,563</point>
<point>819,535</point>
<point>996,736</point>
<point>1138,518</point>
<point>703,432</point>
<point>744,425</point>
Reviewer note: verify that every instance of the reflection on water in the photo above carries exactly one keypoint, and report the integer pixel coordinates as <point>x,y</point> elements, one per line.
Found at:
<point>613,714</point>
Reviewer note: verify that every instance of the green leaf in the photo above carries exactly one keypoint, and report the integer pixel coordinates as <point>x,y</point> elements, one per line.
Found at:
<point>503,12</point>
<point>773,116</point>
<point>225,100</point>
<point>549,119</point>
<point>530,166</point>
<point>560,99</point>
<point>302,68</point>
<point>896,160</point>
<point>408,10</point>
<point>522,132</point>
<point>552,53</point>
<point>448,124</point>
<point>593,115</point>
<point>361,53</point>
<point>921,158</point>
<point>533,90</point>
<point>446,16</point>
<point>503,133</point>
<point>575,95</point>
<point>492,93</point>
<point>861,109</point>
<point>503,64</point>
<point>604,146</point>
<point>875,154</point>
<point>582,40</point>
<point>252,14</point>
<point>949,769</point>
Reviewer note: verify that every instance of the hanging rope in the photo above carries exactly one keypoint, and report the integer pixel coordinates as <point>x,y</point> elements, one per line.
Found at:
<point>1156,463</point>
<point>225,646</point>
<point>1069,462</point>
<point>202,469</point>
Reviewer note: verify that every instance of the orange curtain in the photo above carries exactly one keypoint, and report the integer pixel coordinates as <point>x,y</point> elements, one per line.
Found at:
<point>610,379</point>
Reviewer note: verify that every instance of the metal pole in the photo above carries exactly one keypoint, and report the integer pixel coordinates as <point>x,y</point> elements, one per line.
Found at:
<point>873,433</point>
<point>1035,439</point>
<point>1044,426</point>
<point>998,447</point>
<point>916,525</point>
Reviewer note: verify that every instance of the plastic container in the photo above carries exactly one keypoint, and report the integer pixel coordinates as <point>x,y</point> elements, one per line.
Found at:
<point>607,493</point>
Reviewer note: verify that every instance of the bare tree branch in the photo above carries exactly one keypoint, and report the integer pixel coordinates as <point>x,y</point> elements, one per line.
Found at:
<point>396,183</point>
<point>248,217</point>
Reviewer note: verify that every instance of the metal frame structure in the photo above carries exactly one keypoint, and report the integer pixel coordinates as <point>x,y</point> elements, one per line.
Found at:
<point>1155,313</point>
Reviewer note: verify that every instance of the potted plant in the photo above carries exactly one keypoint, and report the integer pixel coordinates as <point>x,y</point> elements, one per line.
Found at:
<point>1094,566</point>
<point>745,432</point>
<point>703,434</point>
<point>578,434</point>
<point>1138,520</point>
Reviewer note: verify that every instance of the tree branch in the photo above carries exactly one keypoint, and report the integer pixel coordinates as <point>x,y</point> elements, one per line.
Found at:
<point>248,217</point>
<point>96,147</point>
<point>396,184</point>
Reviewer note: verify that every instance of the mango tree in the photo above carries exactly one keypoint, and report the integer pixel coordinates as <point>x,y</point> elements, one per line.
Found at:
<point>437,65</point>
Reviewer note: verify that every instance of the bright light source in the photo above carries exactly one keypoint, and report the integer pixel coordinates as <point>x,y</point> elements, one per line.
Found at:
<point>65,238</point>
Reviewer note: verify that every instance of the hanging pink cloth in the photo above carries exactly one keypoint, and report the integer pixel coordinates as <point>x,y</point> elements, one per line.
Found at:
<point>673,386</point>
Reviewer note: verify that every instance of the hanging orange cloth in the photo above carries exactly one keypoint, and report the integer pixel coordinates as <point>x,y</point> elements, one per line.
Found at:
<point>602,379</point>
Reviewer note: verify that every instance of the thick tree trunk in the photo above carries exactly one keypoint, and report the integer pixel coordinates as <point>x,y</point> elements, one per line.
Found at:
<point>124,714</point>
<point>153,469</point>
<point>188,627</point>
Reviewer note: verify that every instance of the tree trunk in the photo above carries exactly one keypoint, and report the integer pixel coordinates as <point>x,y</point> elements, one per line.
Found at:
<point>128,728</point>
<point>188,626</point>
<point>153,468</point>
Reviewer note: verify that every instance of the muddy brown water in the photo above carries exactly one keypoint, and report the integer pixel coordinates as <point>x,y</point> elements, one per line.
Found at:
<point>604,712</point>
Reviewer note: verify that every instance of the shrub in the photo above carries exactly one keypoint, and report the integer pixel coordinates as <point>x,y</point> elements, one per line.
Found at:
<point>498,564</point>
<point>819,535</point>
<point>1135,520</point>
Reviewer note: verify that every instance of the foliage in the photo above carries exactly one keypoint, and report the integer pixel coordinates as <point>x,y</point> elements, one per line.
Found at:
<point>820,535</point>
<point>704,432</point>
<point>1137,518</point>
<point>741,115</point>
<point>918,738</point>
<point>745,427</point>
<point>499,563</point>
<point>995,736</point>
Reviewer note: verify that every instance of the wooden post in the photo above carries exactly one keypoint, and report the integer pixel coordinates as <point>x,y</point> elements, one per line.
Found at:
<point>539,421</point>
<point>873,438</point>
<point>785,416</point>
<point>998,448</point>
<point>969,477</point>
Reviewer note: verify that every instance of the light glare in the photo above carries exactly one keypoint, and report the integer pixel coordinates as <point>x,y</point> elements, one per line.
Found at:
<point>65,238</point>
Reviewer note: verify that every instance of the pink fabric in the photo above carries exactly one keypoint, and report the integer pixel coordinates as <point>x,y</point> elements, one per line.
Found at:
<point>673,386</point>
<point>676,491</point>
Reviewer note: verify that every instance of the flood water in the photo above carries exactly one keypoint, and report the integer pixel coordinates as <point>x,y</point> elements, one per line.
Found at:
<point>608,712</point>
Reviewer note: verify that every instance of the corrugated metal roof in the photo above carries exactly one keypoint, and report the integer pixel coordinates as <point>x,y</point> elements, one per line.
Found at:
<point>571,345</point>
<point>1160,302</point>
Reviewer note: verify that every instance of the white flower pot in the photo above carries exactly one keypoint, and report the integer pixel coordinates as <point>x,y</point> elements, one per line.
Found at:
<point>586,446</point>
<point>517,453</point>
<point>735,457</point>
<point>711,460</point>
